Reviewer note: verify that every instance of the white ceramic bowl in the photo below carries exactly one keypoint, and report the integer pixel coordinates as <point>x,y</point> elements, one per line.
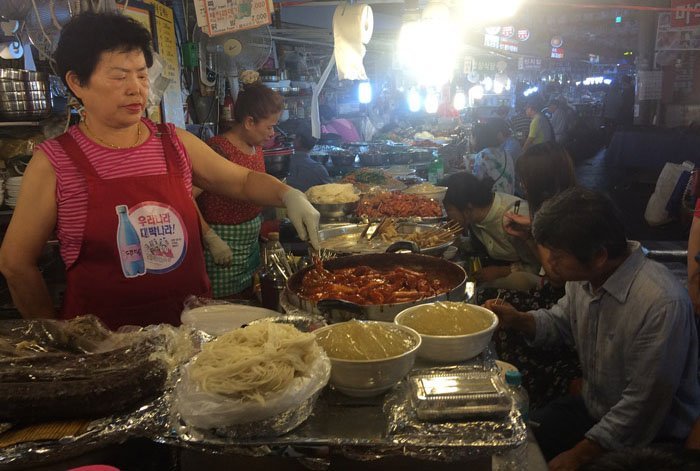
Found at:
<point>438,194</point>
<point>365,378</point>
<point>453,348</point>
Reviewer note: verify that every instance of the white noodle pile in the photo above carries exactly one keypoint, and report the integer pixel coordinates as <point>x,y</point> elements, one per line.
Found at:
<point>332,193</point>
<point>254,362</point>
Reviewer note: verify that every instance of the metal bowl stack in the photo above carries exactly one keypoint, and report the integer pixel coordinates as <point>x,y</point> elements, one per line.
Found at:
<point>24,95</point>
<point>277,160</point>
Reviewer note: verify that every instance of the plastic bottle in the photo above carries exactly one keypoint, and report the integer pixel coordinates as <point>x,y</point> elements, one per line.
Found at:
<point>129,245</point>
<point>436,171</point>
<point>227,106</point>
<point>516,458</point>
<point>273,277</point>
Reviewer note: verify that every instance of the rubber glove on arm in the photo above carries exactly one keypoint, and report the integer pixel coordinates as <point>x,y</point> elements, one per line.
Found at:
<point>220,251</point>
<point>303,215</point>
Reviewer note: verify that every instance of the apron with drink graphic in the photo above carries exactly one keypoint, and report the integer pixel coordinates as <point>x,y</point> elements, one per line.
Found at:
<point>141,253</point>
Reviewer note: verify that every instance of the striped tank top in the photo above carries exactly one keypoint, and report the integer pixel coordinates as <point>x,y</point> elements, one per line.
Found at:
<point>71,185</point>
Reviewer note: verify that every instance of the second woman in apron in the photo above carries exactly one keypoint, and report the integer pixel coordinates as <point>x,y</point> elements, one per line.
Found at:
<point>233,252</point>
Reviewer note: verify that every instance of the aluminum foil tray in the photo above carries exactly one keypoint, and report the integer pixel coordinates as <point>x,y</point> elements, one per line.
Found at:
<point>459,396</point>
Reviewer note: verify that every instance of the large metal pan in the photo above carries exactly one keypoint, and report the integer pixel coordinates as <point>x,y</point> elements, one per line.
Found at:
<point>347,240</point>
<point>335,310</point>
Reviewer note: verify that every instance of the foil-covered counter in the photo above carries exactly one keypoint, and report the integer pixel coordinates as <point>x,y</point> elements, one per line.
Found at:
<point>370,428</point>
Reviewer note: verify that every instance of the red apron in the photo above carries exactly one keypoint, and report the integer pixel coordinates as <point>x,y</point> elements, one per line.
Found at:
<point>141,253</point>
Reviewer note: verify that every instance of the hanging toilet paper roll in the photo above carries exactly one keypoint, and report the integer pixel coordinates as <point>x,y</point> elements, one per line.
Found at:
<point>352,29</point>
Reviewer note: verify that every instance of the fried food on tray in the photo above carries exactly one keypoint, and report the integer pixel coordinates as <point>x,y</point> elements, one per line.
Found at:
<point>397,205</point>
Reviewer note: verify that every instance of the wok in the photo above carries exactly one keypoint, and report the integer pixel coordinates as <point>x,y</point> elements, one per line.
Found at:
<point>335,310</point>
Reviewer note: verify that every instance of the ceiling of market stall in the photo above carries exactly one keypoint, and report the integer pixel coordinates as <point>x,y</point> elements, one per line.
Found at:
<point>596,27</point>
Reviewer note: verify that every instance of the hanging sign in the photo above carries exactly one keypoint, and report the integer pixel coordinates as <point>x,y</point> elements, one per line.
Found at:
<point>507,31</point>
<point>529,63</point>
<point>523,34</point>
<point>670,37</point>
<point>224,16</point>
<point>557,53</point>
<point>681,18</point>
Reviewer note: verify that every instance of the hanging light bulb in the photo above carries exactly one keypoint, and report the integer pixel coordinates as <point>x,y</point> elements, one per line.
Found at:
<point>432,102</point>
<point>414,101</point>
<point>460,100</point>
<point>364,92</point>
<point>476,93</point>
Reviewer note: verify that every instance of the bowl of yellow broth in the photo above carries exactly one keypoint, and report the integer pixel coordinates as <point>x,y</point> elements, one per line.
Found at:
<point>451,332</point>
<point>368,357</point>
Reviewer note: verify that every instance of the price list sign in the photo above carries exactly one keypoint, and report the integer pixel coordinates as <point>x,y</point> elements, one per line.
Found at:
<point>226,16</point>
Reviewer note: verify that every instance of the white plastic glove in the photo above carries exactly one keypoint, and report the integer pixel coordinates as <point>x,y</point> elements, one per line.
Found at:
<point>220,251</point>
<point>304,216</point>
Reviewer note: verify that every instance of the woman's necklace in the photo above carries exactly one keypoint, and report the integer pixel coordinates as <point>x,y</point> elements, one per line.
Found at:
<point>138,137</point>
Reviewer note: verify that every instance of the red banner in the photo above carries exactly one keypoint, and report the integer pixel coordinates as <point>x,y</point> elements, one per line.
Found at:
<point>681,17</point>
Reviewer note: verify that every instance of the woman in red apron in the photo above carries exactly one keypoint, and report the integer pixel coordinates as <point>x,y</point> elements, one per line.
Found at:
<point>117,191</point>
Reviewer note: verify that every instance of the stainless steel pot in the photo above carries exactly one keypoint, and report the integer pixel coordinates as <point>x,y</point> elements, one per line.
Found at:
<point>277,165</point>
<point>335,310</point>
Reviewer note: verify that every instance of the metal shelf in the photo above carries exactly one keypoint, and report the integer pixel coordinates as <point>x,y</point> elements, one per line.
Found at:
<point>9,124</point>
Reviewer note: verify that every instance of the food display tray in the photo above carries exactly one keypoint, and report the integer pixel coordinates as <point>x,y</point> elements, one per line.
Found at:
<point>369,428</point>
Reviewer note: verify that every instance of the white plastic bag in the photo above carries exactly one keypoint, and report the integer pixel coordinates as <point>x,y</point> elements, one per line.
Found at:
<point>656,213</point>
<point>206,410</point>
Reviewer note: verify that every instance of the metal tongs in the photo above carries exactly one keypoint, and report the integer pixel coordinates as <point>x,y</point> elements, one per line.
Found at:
<point>368,234</point>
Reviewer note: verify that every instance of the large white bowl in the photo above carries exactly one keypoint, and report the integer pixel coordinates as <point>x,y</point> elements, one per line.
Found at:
<point>437,194</point>
<point>453,348</point>
<point>365,378</point>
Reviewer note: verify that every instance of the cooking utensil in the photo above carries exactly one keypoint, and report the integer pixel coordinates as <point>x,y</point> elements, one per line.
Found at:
<point>378,229</point>
<point>334,310</point>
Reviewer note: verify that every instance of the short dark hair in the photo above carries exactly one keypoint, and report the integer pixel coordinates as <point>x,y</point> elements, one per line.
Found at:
<point>535,102</point>
<point>464,189</point>
<point>326,112</point>
<point>86,36</point>
<point>485,135</point>
<point>303,134</point>
<point>500,125</point>
<point>257,101</point>
<point>503,111</point>
<point>581,222</point>
<point>544,170</point>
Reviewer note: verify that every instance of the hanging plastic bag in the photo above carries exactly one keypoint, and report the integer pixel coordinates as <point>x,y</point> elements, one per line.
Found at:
<point>664,203</point>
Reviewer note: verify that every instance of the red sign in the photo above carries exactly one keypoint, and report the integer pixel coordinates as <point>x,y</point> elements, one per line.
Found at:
<point>680,18</point>
<point>523,34</point>
<point>507,31</point>
<point>557,53</point>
